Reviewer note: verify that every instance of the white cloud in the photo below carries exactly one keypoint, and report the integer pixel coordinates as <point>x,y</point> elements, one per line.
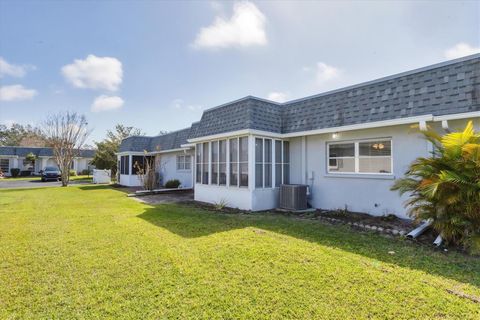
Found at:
<point>8,69</point>
<point>278,96</point>
<point>16,92</point>
<point>94,73</point>
<point>326,73</point>
<point>106,103</point>
<point>180,104</point>
<point>461,49</point>
<point>246,27</point>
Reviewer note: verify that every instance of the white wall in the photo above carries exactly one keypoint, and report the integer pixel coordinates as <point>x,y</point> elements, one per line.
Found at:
<point>234,197</point>
<point>370,194</point>
<point>166,164</point>
<point>130,180</point>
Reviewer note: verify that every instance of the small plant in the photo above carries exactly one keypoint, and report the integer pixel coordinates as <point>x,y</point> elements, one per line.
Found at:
<point>72,173</point>
<point>220,205</point>
<point>14,172</point>
<point>172,184</point>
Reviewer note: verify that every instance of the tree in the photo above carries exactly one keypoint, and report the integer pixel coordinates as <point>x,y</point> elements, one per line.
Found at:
<point>105,156</point>
<point>67,133</point>
<point>22,135</point>
<point>445,187</point>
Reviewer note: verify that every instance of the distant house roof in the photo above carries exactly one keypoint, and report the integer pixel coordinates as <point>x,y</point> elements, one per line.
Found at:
<point>446,88</point>
<point>169,141</point>
<point>39,152</point>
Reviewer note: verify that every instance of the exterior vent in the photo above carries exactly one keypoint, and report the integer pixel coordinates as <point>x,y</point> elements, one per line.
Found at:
<point>293,196</point>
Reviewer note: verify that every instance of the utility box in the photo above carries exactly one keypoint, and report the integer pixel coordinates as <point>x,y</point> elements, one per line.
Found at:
<point>293,196</point>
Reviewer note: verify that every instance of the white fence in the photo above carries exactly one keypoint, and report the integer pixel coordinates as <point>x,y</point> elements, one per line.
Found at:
<point>101,176</point>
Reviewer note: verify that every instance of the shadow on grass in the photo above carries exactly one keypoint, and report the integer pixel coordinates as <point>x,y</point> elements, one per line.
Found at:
<point>191,222</point>
<point>92,187</point>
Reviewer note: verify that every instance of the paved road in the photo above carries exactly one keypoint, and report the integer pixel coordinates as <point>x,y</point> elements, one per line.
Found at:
<point>34,184</point>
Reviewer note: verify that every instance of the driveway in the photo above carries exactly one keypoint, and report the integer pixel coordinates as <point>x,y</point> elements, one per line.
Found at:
<point>7,184</point>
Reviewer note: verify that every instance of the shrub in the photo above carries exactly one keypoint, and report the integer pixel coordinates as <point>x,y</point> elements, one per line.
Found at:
<point>25,173</point>
<point>85,172</point>
<point>72,173</point>
<point>445,187</point>
<point>14,172</point>
<point>172,184</point>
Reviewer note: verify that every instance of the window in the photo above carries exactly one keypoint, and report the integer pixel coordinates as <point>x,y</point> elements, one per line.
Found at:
<point>278,163</point>
<point>205,163</point>
<point>140,163</point>
<point>198,161</point>
<point>211,159</point>
<point>234,162</point>
<point>282,162</point>
<point>124,165</point>
<point>5,165</point>
<point>243,161</point>
<point>222,147</point>
<point>372,156</point>
<point>258,163</point>
<point>214,162</point>
<point>341,157</point>
<point>263,163</point>
<point>286,162</point>
<point>28,165</point>
<point>183,162</point>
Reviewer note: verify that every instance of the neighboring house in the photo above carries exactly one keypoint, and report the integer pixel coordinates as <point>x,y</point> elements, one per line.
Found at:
<point>172,160</point>
<point>348,145</point>
<point>14,157</point>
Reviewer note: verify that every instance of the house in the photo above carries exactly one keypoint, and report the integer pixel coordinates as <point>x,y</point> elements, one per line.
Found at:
<point>348,144</point>
<point>173,160</point>
<point>15,157</point>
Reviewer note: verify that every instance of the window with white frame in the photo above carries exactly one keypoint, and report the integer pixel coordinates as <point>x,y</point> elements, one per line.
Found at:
<point>222,163</point>
<point>268,161</point>
<point>183,162</point>
<point>211,158</point>
<point>263,163</point>
<point>233,156</point>
<point>124,165</point>
<point>367,156</point>
<point>214,161</point>
<point>198,162</point>
<point>243,161</point>
<point>4,165</point>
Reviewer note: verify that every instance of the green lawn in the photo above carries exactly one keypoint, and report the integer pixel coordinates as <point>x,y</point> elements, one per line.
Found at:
<point>91,252</point>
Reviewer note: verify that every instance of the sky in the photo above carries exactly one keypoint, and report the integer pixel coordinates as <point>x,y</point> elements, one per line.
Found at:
<point>157,65</point>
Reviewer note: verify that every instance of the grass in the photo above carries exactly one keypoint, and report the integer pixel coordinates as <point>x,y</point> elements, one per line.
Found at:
<point>38,178</point>
<point>91,252</point>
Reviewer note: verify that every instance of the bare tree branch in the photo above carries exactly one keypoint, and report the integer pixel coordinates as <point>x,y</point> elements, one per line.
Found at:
<point>66,133</point>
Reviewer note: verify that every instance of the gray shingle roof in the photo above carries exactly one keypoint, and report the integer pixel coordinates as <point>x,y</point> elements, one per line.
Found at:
<point>39,152</point>
<point>451,87</point>
<point>169,141</point>
<point>441,89</point>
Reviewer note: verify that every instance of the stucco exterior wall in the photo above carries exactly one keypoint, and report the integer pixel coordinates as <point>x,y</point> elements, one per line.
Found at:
<point>235,197</point>
<point>166,164</point>
<point>362,193</point>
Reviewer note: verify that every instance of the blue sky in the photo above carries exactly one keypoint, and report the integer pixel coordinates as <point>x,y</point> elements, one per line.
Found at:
<point>156,65</point>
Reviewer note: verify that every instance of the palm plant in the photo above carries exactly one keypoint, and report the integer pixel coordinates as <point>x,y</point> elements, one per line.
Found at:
<point>445,187</point>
